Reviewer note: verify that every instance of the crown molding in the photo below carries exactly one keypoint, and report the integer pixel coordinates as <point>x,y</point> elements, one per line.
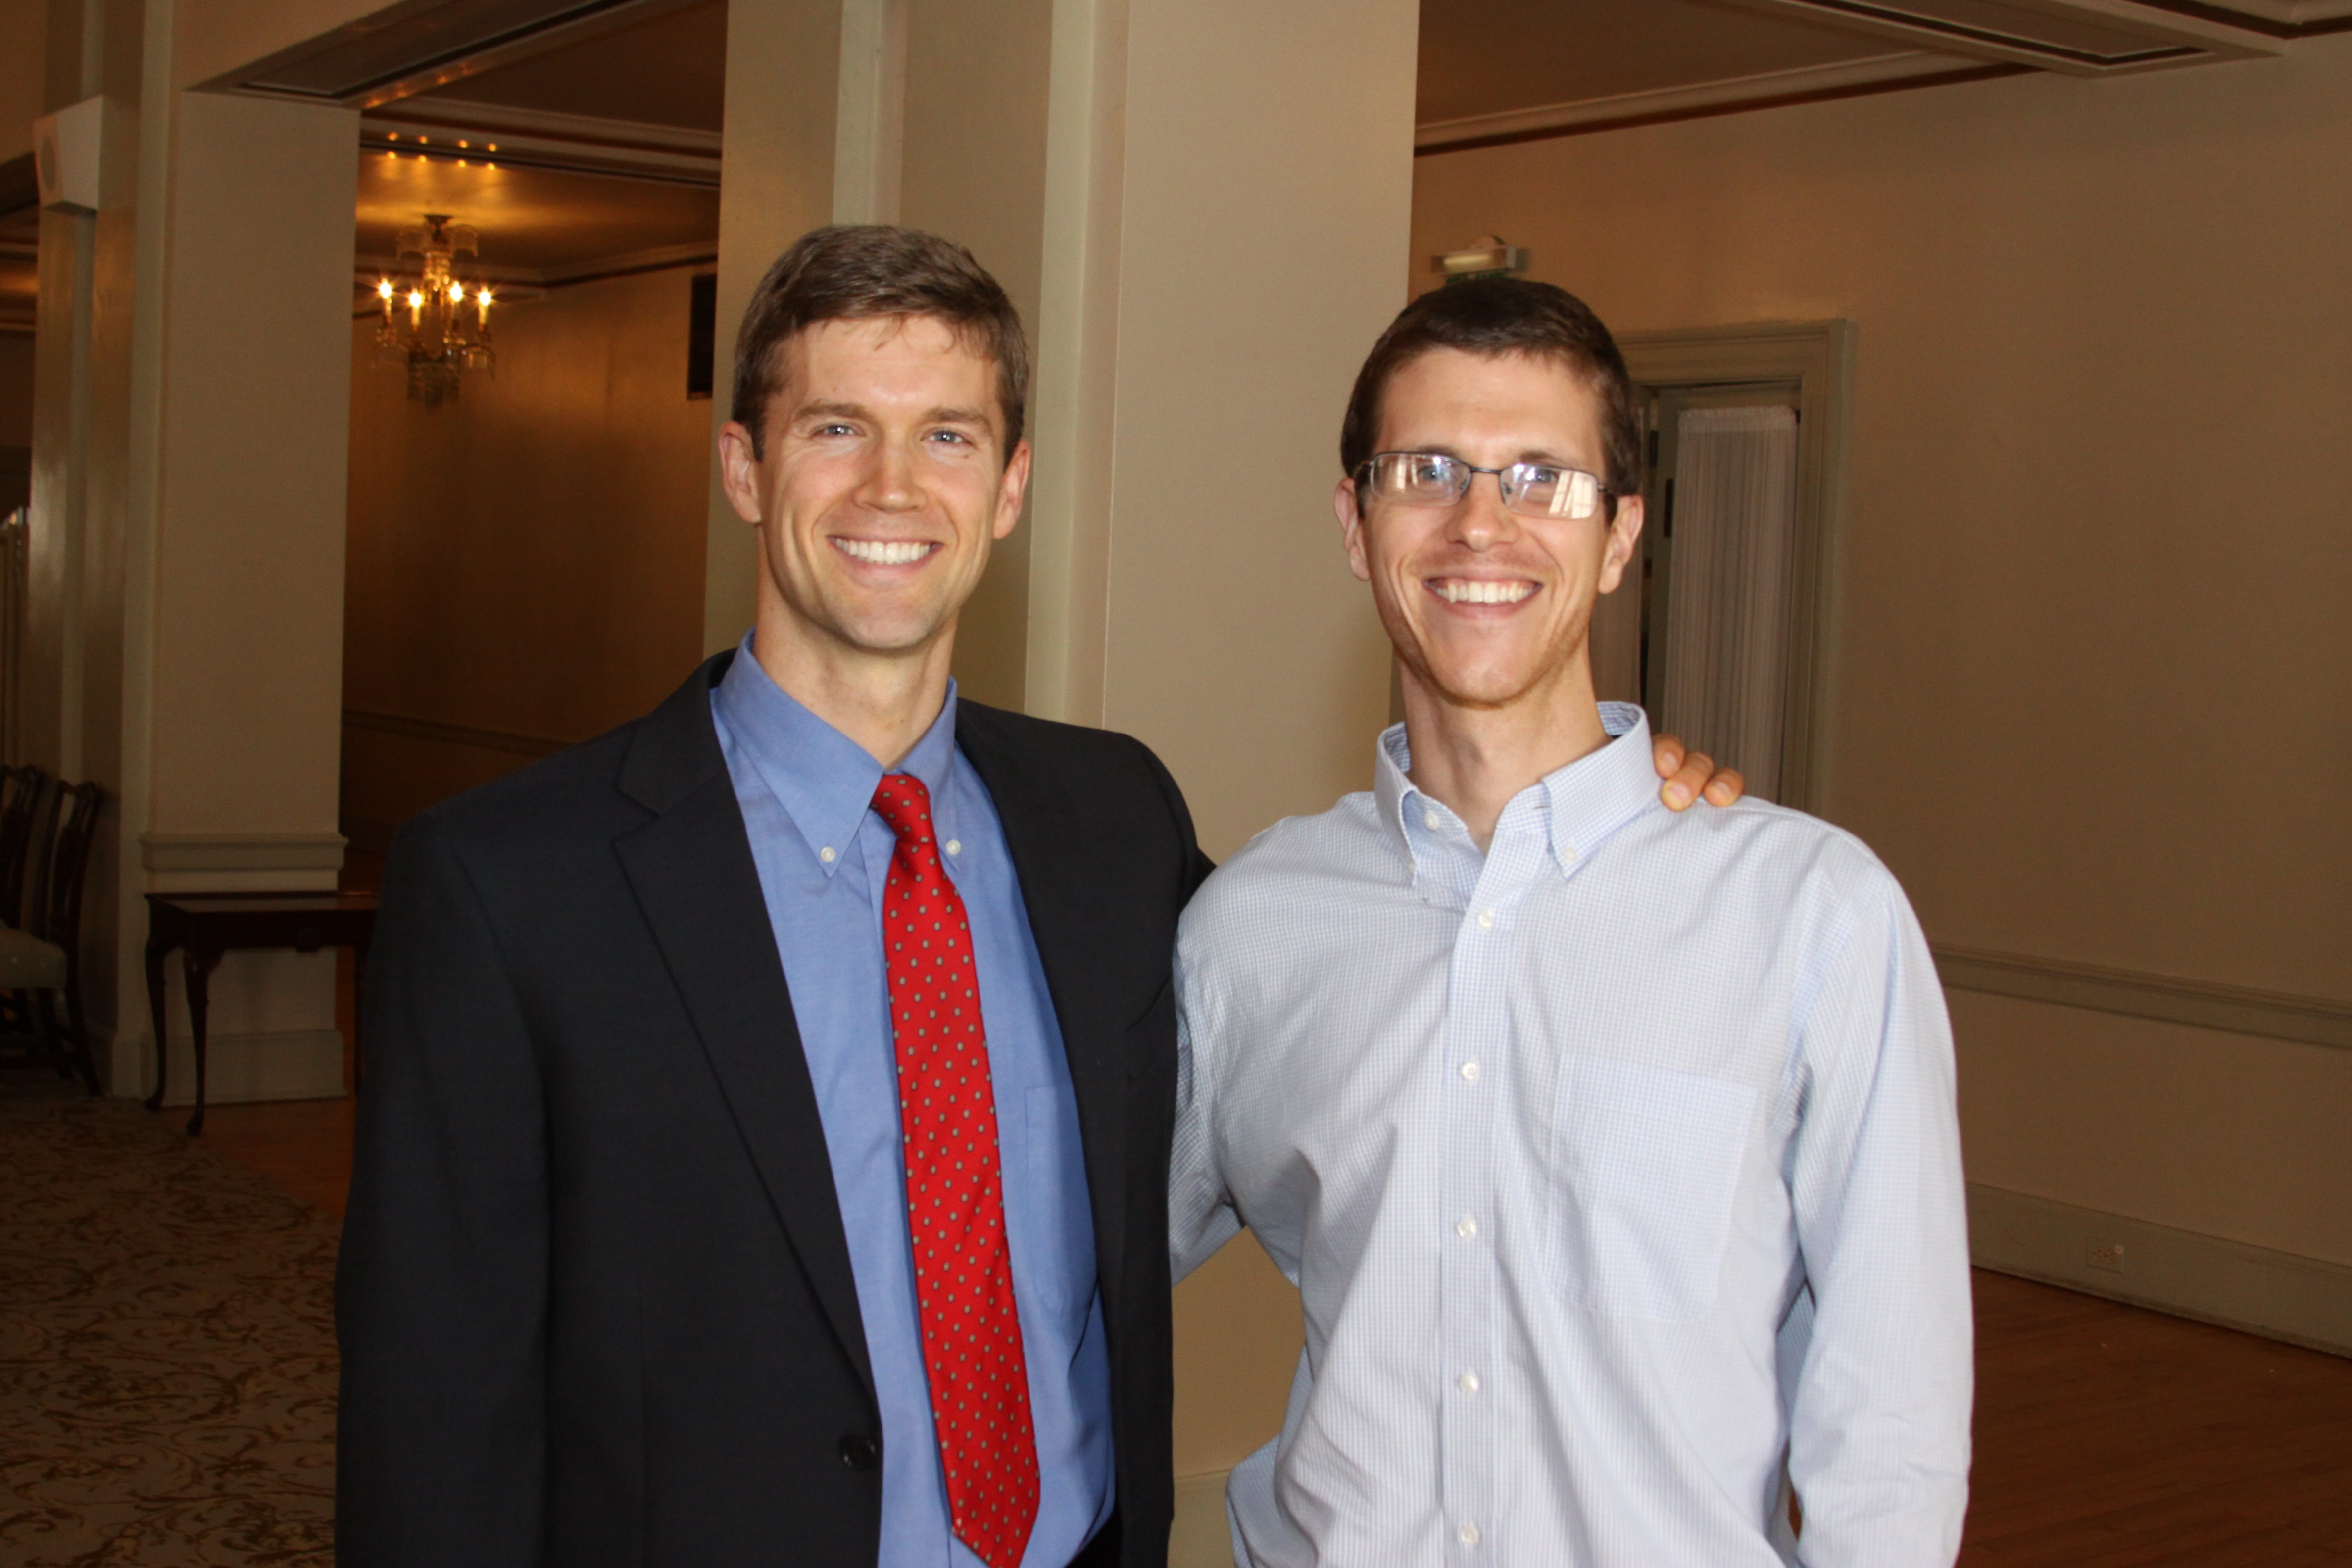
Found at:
<point>531,282</point>
<point>1678,103</point>
<point>612,149</point>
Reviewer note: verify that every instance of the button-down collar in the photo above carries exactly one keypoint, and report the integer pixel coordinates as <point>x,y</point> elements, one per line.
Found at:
<point>824,780</point>
<point>1581,803</point>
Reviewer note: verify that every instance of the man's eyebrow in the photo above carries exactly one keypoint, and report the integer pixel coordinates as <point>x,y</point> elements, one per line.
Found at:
<point>956,415</point>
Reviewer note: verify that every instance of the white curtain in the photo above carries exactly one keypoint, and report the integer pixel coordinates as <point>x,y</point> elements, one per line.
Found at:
<point>1728,594</point>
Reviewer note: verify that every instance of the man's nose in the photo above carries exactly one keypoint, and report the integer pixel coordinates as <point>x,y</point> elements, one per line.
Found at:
<point>1481,521</point>
<point>889,479</point>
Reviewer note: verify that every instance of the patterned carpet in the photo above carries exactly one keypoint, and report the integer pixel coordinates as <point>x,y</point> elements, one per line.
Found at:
<point>167,1347</point>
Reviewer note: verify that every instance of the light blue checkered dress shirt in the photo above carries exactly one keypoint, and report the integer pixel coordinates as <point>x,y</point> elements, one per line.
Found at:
<point>1618,1168</point>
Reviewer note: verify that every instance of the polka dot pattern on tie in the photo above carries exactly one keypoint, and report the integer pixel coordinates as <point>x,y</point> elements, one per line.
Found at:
<point>955,1193</point>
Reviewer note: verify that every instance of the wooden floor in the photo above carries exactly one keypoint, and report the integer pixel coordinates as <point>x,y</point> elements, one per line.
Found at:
<point>2105,1435</point>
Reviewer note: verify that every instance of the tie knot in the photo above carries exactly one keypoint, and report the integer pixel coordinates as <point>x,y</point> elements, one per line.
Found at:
<point>901,801</point>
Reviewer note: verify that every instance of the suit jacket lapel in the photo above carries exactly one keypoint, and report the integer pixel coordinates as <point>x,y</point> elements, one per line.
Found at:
<point>1067,919</point>
<point>695,879</point>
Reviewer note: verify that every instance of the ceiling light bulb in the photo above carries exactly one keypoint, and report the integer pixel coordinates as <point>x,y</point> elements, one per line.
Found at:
<point>415,299</point>
<point>383,287</point>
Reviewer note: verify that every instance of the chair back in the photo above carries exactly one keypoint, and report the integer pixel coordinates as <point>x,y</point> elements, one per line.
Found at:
<point>20,797</point>
<point>58,897</point>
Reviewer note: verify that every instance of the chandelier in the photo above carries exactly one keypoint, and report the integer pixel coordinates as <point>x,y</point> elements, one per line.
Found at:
<point>429,323</point>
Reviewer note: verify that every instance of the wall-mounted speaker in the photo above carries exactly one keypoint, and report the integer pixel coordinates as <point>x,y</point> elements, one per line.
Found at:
<point>67,150</point>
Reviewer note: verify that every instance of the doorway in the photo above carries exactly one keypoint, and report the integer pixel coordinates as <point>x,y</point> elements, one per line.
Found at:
<point>1722,630</point>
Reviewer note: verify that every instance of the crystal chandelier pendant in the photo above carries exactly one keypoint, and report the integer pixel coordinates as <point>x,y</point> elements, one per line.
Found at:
<point>434,323</point>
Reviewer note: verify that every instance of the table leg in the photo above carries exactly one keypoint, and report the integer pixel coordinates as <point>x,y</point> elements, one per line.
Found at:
<point>197,967</point>
<point>156,990</point>
<point>359,1014</point>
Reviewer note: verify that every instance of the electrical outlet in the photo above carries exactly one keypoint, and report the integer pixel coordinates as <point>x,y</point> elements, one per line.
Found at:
<point>2106,1255</point>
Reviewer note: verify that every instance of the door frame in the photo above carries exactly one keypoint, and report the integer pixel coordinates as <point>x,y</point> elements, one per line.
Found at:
<point>1819,356</point>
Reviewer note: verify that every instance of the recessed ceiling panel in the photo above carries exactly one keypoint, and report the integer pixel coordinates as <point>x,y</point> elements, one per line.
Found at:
<point>395,43</point>
<point>542,219</point>
<point>1489,56</point>
<point>670,69</point>
<point>2080,39</point>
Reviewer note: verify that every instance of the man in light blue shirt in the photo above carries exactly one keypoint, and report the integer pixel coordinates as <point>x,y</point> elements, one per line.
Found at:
<point>1614,1153</point>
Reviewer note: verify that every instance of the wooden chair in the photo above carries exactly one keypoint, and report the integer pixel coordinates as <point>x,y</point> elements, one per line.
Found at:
<point>21,789</point>
<point>42,960</point>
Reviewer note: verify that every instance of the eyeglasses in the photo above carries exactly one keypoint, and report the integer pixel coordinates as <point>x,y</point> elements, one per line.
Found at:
<point>1433,479</point>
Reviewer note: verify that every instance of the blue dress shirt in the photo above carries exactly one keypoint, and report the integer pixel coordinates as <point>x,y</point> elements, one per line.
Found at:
<point>823,855</point>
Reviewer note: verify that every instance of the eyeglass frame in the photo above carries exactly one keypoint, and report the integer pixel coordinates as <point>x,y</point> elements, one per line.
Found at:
<point>1607,498</point>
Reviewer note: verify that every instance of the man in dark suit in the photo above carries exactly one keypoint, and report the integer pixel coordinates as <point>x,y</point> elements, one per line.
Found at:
<point>765,1146</point>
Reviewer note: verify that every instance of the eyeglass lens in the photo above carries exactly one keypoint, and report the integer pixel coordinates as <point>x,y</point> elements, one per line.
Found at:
<point>1531,490</point>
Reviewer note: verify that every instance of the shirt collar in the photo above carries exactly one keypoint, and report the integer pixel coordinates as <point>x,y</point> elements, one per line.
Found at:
<point>824,780</point>
<point>1587,801</point>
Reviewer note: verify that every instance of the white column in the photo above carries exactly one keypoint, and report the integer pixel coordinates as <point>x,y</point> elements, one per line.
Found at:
<point>190,435</point>
<point>1201,208</point>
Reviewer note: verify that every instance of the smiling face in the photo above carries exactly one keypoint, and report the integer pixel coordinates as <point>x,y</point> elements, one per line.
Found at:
<point>1488,608</point>
<point>878,487</point>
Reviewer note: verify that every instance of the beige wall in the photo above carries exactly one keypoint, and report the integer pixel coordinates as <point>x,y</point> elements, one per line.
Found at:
<point>1262,214</point>
<point>2090,695</point>
<point>776,184</point>
<point>974,149</point>
<point>526,561</point>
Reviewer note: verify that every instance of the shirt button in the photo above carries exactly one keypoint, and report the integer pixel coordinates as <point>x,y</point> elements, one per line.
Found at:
<point>1467,1535</point>
<point>1468,1382</point>
<point>1470,1072</point>
<point>1431,821</point>
<point>826,855</point>
<point>1465,1228</point>
<point>955,846</point>
<point>1567,851</point>
<point>1485,919</point>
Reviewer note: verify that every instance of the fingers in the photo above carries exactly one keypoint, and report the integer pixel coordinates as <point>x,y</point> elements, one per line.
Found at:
<point>1667,753</point>
<point>1725,787</point>
<point>1688,780</point>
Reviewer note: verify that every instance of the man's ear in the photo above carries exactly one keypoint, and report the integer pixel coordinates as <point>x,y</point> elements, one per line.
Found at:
<point>739,470</point>
<point>1351,529</point>
<point>1624,539</point>
<point>1010,488</point>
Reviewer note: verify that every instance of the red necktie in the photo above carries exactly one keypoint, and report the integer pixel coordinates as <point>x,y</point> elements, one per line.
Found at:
<point>955,1192</point>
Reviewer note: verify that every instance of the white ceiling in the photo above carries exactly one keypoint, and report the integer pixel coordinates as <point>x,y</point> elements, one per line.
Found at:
<point>607,127</point>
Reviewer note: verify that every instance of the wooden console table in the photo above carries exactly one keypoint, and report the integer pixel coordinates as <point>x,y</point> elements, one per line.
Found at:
<point>204,926</point>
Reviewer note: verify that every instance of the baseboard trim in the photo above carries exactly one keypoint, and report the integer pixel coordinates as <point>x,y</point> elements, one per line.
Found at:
<point>2278,1295</point>
<point>2232,1009</point>
<point>239,1069</point>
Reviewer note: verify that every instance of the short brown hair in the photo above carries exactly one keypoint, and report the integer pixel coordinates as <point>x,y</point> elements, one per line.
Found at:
<point>1495,317</point>
<point>854,272</point>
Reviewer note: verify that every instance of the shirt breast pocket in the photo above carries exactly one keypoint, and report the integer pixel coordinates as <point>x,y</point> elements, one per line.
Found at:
<point>1058,1194</point>
<point>1644,1169</point>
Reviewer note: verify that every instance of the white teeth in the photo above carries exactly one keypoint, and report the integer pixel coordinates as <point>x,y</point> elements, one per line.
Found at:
<point>1472,591</point>
<point>883,552</point>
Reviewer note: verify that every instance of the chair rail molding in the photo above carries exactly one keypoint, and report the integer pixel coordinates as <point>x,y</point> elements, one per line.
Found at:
<point>241,851</point>
<point>2232,1009</point>
<point>454,734</point>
